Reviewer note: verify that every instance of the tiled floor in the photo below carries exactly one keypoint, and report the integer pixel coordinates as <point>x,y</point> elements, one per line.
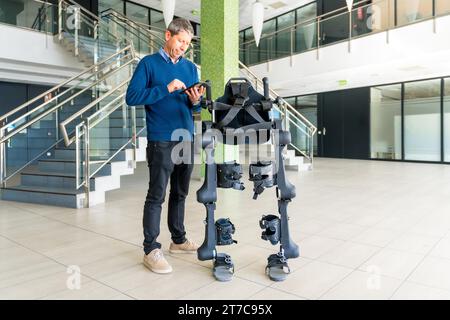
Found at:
<point>366,230</point>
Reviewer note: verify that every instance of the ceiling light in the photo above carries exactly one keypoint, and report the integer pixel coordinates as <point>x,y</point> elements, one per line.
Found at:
<point>168,10</point>
<point>277,5</point>
<point>258,20</point>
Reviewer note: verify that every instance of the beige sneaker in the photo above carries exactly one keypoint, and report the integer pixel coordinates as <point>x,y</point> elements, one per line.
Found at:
<point>156,262</point>
<point>187,247</point>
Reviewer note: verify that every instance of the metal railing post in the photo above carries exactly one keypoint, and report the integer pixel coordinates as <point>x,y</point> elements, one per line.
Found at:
<point>2,160</point>
<point>151,41</point>
<point>56,121</point>
<point>318,37</point>
<point>60,20</point>
<point>285,117</point>
<point>134,135</point>
<point>292,47</point>
<point>77,156</point>
<point>350,31</point>
<point>77,25</point>
<point>87,180</point>
<point>434,16</point>
<point>96,44</point>
<point>311,144</point>
<point>389,20</point>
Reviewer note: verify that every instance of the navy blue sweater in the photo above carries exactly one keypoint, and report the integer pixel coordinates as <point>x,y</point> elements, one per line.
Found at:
<point>165,112</point>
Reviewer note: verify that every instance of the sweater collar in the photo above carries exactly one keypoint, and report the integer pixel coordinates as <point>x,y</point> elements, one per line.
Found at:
<point>166,57</point>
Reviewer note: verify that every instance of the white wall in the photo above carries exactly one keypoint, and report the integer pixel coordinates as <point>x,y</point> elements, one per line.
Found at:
<point>29,56</point>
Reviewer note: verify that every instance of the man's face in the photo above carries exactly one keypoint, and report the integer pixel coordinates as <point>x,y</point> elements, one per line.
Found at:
<point>178,44</point>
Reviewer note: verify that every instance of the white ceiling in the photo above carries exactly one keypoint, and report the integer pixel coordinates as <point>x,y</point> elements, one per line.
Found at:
<point>183,8</point>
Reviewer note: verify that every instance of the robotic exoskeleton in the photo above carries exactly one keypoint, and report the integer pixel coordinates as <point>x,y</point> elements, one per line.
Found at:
<point>239,110</point>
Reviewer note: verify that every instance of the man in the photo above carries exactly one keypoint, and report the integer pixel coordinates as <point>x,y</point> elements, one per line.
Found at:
<point>157,83</point>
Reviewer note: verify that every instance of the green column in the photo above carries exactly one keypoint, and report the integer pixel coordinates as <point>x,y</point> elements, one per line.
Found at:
<point>220,54</point>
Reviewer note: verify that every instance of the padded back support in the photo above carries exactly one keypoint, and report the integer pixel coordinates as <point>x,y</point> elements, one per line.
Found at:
<point>243,118</point>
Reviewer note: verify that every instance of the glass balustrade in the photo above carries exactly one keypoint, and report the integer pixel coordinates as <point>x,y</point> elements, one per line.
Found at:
<point>32,14</point>
<point>315,32</point>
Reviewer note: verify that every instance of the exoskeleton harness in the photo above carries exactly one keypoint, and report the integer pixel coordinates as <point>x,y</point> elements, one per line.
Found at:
<point>239,111</point>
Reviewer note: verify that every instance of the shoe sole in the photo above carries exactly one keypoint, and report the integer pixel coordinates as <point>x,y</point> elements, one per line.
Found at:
<point>156,270</point>
<point>182,251</point>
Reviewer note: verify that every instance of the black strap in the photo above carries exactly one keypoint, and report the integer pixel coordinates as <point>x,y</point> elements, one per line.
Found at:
<point>256,126</point>
<point>223,259</point>
<point>251,110</point>
<point>277,260</point>
<point>232,113</point>
<point>219,106</point>
<point>260,185</point>
<point>240,93</point>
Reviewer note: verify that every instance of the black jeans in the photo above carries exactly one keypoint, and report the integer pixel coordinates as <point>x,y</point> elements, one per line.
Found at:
<point>161,167</point>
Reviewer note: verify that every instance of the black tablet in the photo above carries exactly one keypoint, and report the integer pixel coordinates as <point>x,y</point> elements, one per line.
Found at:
<point>198,84</point>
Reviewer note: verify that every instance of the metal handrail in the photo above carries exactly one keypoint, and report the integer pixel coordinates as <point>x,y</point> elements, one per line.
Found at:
<point>89,14</point>
<point>288,113</point>
<point>44,114</point>
<point>62,94</point>
<point>331,15</point>
<point>141,27</point>
<point>292,109</point>
<point>318,18</point>
<point>310,135</point>
<point>38,18</point>
<point>86,125</point>
<point>136,31</point>
<point>111,11</point>
<point>24,105</point>
<point>102,112</point>
<point>68,141</point>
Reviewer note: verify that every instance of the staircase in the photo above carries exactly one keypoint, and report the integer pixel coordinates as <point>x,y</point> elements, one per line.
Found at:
<point>80,137</point>
<point>52,180</point>
<point>54,170</point>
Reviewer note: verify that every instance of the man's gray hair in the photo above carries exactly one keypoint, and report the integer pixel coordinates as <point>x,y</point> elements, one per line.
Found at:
<point>180,24</point>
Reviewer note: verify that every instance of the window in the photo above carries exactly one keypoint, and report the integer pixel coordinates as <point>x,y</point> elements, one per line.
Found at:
<point>422,119</point>
<point>306,32</point>
<point>137,13</point>
<point>409,11</point>
<point>283,38</point>
<point>307,106</point>
<point>447,120</point>
<point>442,7</point>
<point>385,122</point>
<point>267,43</point>
<point>113,4</point>
<point>157,19</point>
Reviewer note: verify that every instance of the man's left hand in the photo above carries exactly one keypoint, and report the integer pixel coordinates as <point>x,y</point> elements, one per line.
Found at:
<point>195,94</point>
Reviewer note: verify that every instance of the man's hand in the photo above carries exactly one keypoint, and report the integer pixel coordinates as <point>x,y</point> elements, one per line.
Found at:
<point>195,93</point>
<point>176,85</point>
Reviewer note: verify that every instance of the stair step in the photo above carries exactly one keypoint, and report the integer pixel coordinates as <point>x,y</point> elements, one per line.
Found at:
<point>37,143</point>
<point>69,154</point>
<point>44,189</point>
<point>51,196</point>
<point>299,167</point>
<point>41,132</point>
<point>67,181</point>
<point>69,166</point>
<point>51,180</point>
